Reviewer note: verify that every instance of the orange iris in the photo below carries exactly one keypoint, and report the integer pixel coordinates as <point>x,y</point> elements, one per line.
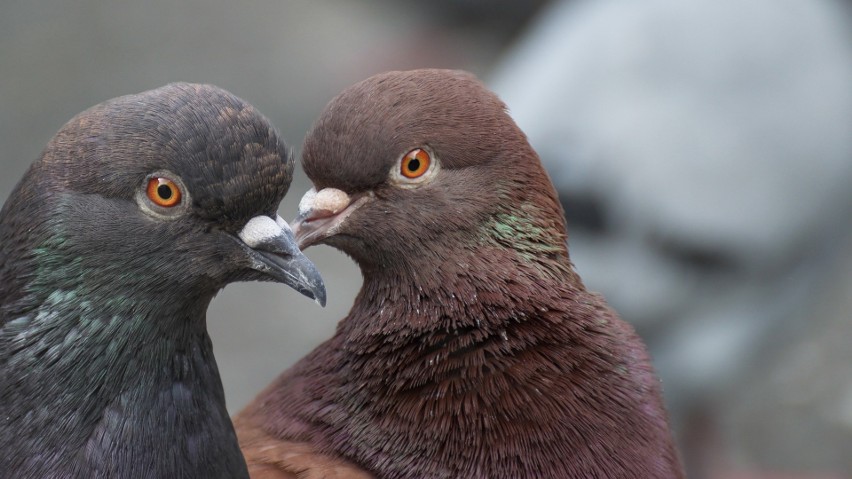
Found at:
<point>163,192</point>
<point>415,163</point>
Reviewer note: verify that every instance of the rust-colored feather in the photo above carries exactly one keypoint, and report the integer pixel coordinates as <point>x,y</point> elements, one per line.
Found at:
<point>269,457</point>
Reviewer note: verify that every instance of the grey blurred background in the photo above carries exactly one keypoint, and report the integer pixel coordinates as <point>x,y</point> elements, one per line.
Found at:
<point>702,150</point>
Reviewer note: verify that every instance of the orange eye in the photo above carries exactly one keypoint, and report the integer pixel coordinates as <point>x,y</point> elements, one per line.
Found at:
<point>163,192</point>
<point>415,163</point>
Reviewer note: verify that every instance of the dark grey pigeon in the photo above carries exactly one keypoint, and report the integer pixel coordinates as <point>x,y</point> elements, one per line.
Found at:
<point>111,248</point>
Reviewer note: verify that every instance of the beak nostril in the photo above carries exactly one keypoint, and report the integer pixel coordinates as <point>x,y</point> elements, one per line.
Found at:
<point>260,230</point>
<point>324,203</point>
<point>322,214</point>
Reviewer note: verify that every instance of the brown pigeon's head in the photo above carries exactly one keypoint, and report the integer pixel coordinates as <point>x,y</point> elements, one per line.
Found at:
<point>410,166</point>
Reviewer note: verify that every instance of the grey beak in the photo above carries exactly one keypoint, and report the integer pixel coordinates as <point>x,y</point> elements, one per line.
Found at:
<point>276,253</point>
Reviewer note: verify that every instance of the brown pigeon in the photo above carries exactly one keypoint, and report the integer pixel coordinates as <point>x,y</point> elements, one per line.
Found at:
<point>473,350</point>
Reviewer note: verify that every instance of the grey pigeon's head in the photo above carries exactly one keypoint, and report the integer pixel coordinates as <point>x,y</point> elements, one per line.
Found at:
<point>172,192</point>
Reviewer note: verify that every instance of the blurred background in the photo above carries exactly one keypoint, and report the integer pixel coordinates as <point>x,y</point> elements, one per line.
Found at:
<point>702,150</point>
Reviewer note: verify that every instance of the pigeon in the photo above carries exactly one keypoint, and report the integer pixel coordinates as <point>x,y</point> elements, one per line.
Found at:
<point>473,349</point>
<point>111,248</point>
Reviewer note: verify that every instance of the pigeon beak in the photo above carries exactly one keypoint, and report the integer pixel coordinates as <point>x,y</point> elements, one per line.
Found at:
<point>274,252</point>
<point>322,213</point>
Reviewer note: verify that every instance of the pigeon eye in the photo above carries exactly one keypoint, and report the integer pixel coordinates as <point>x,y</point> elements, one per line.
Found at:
<point>163,192</point>
<point>415,163</point>
<point>415,169</point>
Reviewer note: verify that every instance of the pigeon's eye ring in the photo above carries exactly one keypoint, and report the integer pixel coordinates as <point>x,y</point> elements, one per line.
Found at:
<point>163,195</point>
<point>415,163</point>
<point>415,169</point>
<point>163,192</point>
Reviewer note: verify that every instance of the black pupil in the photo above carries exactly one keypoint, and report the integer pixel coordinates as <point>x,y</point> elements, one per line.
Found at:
<point>414,164</point>
<point>164,191</point>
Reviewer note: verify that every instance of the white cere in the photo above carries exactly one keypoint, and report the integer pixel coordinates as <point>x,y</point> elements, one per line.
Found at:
<point>259,230</point>
<point>330,200</point>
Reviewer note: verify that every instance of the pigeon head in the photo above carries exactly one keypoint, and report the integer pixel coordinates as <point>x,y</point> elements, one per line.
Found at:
<point>409,166</point>
<point>170,192</point>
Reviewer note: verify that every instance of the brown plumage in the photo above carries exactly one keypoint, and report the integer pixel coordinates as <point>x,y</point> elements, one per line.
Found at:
<point>473,348</point>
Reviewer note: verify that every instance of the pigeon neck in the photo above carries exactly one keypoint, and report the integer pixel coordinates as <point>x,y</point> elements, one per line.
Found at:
<point>138,388</point>
<point>468,362</point>
<point>483,374</point>
<point>481,294</point>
